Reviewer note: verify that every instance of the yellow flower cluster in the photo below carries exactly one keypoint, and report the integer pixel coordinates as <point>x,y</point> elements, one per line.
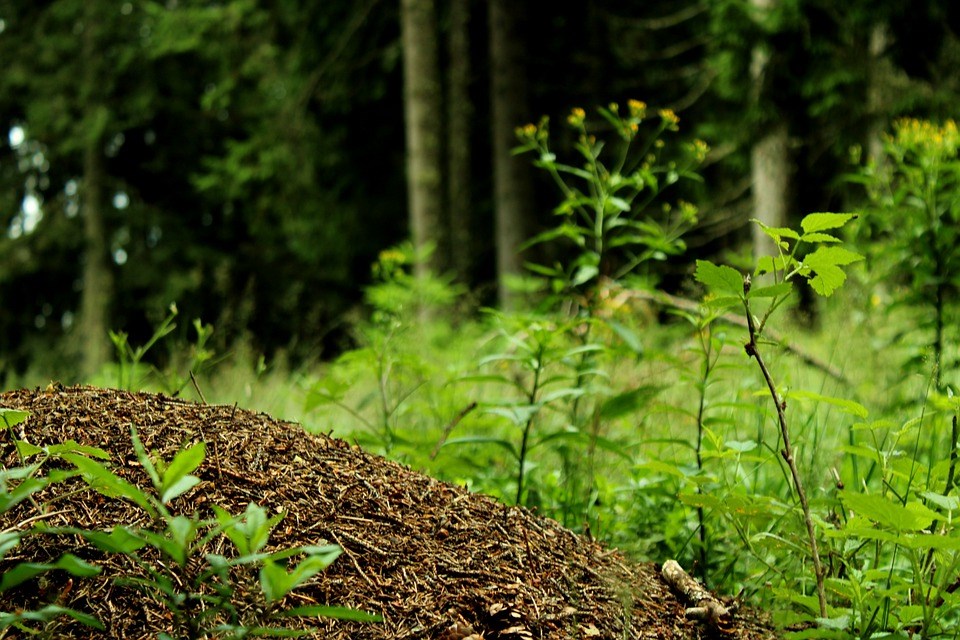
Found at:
<point>576,117</point>
<point>699,149</point>
<point>638,109</point>
<point>670,118</point>
<point>926,138</point>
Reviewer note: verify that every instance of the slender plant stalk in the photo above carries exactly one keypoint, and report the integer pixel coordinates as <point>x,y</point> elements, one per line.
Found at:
<point>524,443</point>
<point>706,345</point>
<point>787,454</point>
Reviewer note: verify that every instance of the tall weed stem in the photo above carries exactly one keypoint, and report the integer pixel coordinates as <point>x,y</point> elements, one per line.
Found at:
<point>787,453</point>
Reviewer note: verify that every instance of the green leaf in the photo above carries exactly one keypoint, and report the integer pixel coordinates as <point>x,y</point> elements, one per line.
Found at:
<point>176,479</point>
<point>629,401</point>
<point>276,582</point>
<point>847,406</point>
<point>777,233</point>
<point>772,291</point>
<point>628,335</point>
<point>118,540</point>
<point>823,221</point>
<point>179,487</point>
<point>816,238</point>
<point>584,274</point>
<point>911,517</point>
<point>251,531</point>
<point>947,503</point>
<point>71,446</point>
<point>11,417</point>
<point>144,459</point>
<point>108,483</point>
<point>826,263</point>
<point>24,571</point>
<point>720,279</point>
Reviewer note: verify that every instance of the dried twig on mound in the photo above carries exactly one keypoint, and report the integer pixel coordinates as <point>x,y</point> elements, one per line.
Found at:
<point>704,606</point>
<point>433,559</point>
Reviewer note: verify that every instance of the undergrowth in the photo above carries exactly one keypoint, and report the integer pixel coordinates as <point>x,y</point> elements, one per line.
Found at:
<point>814,473</point>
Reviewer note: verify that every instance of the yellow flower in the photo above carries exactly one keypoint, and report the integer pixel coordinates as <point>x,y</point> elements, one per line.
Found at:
<point>637,108</point>
<point>577,116</point>
<point>670,118</point>
<point>699,150</point>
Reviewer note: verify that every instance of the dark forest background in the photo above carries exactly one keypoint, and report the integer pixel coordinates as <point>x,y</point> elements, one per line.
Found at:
<point>249,160</point>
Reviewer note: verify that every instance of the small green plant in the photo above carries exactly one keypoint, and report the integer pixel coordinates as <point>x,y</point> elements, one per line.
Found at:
<point>129,369</point>
<point>391,352</point>
<point>540,366</point>
<point>822,268</point>
<point>129,357</point>
<point>19,485</point>
<point>200,589</point>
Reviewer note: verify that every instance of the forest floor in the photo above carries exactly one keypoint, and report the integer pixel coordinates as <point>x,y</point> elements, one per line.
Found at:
<point>433,559</point>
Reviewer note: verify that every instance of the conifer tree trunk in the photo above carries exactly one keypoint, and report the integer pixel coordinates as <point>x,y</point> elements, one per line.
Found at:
<point>770,161</point>
<point>771,172</point>
<point>459,150</point>
<point>513,198</point>
<point>423,108</point>
<point>93,323</point>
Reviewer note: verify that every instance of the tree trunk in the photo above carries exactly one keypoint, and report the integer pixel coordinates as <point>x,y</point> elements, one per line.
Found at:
<point>878,79</point>
<point>93,324</point>
<point>771,171</point>
<point>770,158</point>
<point>459,120</point>
<point>513,196</point>
<point>423,102</point>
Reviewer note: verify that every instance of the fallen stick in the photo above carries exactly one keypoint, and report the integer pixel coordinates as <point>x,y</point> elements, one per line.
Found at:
<point>705,607</point>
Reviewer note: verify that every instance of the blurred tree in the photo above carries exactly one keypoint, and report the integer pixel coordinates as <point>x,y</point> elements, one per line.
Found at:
<point>423,105</point>
<point>459,147</point>
<point>513,196</point>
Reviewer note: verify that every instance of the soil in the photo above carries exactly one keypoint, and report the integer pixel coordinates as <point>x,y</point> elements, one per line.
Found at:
<point>434,560</point>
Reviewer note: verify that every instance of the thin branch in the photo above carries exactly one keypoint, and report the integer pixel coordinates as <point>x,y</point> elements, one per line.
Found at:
<point>692,307</point>
<point>787,454</point>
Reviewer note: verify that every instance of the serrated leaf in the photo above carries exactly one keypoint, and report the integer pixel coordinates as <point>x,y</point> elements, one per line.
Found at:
<point>720,279</point>
<point>823,221</point>
<point>777,233</point>
<point>11,417</point>
<point>825,262</point>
